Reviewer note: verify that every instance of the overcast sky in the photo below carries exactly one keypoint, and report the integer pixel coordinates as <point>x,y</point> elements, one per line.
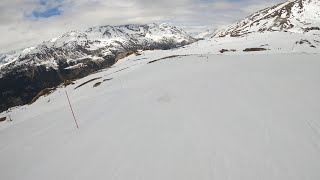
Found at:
<point>29,22</point>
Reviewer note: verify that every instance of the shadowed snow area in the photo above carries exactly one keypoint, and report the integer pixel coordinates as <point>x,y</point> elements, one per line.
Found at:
<point>243,117</point>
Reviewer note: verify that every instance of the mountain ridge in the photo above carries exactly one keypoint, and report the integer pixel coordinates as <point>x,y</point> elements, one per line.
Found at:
<point>296,16</point>
<point>76,54</point>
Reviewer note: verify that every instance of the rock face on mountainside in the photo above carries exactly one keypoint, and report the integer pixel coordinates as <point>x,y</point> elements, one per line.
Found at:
<point>24,73</point>
<point>298,16</point>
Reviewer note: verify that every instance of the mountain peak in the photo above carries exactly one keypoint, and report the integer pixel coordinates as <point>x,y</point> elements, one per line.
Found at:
<point>293,15</point>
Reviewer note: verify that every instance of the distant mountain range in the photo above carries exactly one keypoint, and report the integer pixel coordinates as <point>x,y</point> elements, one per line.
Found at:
<point>23,73</point>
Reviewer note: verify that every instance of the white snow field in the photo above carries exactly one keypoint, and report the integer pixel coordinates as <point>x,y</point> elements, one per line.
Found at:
<point>193,117</point>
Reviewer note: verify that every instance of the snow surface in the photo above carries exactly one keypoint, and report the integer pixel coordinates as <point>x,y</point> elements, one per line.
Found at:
<point>12,56</point>
<point>273,42</point>
<point>199,116</point>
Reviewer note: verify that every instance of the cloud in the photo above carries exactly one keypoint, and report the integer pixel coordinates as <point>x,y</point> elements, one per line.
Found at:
<point>29,22</point>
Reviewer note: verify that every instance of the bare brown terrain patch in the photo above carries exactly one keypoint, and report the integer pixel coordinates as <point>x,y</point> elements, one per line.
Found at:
<point>43,92</point>
<point>67,83</point>
<point>126,54</point>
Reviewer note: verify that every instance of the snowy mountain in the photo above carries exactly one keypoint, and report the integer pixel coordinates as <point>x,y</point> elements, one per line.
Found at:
<point>208,33</point>
<point>298,16</point>
<point>10,56</point>
<point>99,42</point>
<point>200,32</point>
<point>75,54</point>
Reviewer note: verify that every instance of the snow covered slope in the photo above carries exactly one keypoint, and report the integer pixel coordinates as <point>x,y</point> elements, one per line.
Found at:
<point>77,54</point>
<point>8,57</point>
<point>243,117</point>
<point>293,16</point>
<point>12,56</point>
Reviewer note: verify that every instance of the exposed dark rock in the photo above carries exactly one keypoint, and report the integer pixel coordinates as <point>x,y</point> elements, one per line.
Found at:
<point>305,41</point>
<point>227,50</point>
<point>311,29</point>
<point>20,86</point>
<point>109,79</point>
<point>254,49</point>
<point>97,84</point>
<point>3,119</point>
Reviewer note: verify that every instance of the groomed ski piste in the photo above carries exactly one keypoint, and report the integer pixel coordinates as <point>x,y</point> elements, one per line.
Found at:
<point>188,113</point>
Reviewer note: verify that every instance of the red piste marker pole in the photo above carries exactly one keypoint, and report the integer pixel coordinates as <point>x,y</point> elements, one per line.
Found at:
<point>74,117</point>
